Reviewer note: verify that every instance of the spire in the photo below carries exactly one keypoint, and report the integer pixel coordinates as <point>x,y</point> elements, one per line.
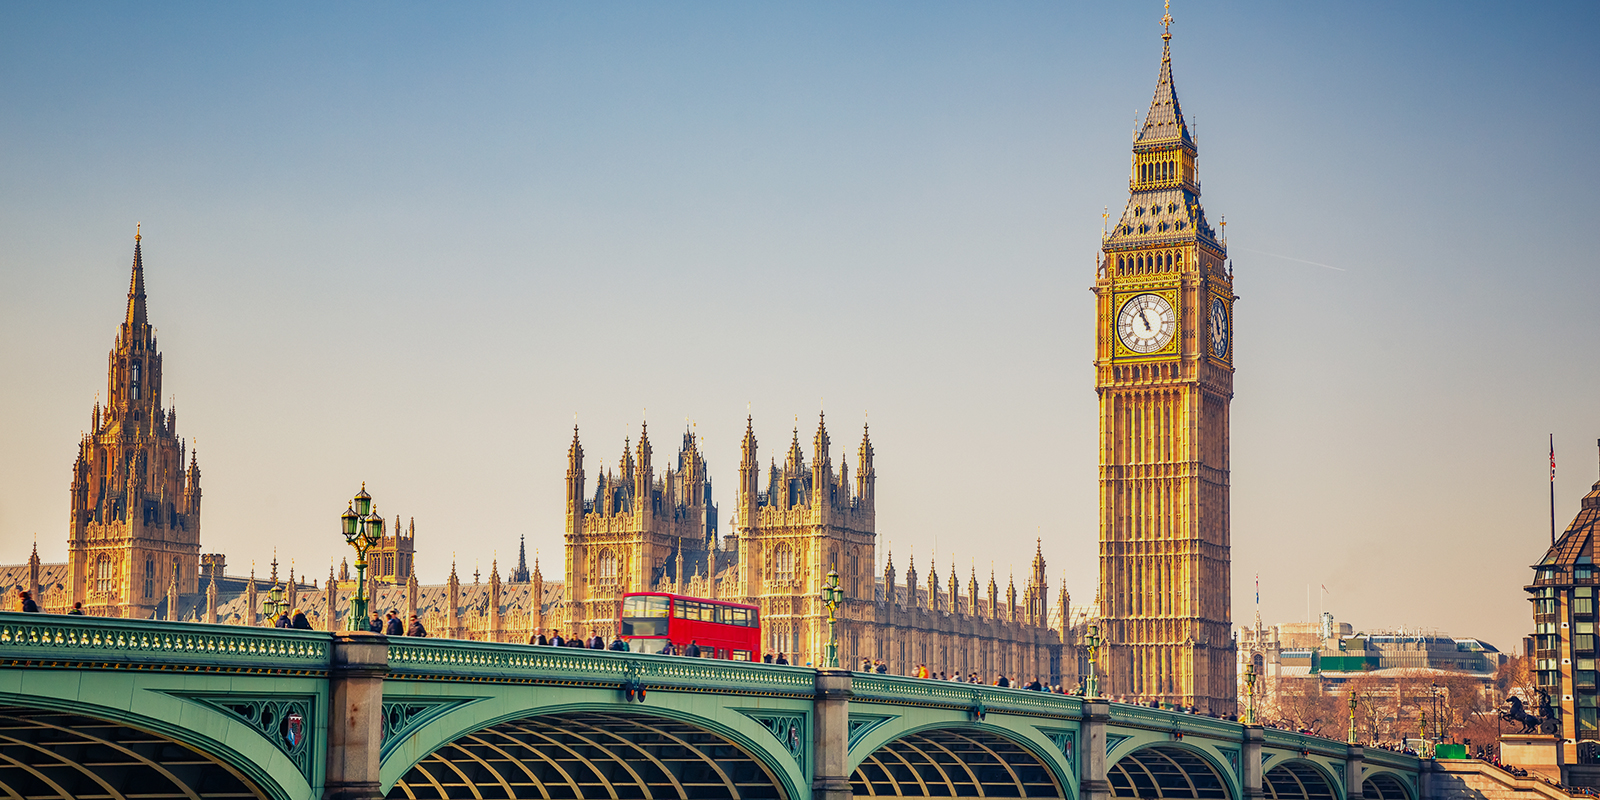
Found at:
<point>521,573</point>
<point>1164,121</point>
<point>136,313</point>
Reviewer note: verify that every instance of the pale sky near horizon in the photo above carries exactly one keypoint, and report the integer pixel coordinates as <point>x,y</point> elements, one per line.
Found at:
<point>405,243</point>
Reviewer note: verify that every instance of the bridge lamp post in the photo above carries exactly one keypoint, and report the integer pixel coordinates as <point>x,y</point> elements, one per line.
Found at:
<point>1250,693</point>
<point>832,597</point>
<point>1352,738</point>
<point>362,530</point>
<point>1091,687</point>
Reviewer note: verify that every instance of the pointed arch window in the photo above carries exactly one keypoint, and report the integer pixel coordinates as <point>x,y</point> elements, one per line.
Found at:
<point>783,563</point>
<point>134,379</point>
<point>102,575</point>
<point>606,567</point>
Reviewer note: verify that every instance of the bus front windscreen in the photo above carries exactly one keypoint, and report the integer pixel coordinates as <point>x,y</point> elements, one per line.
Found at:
<point>644,616</point>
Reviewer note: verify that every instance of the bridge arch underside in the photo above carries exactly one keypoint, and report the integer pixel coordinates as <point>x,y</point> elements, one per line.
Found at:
<point>49,755</point>
<point>1296,780</point>
<point>590,755</point>
<point>953,763</point>
<point>1382,786</point>
<point>1161,771</point>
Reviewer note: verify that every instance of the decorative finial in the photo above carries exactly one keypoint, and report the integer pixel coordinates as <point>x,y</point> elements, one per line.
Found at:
<point>136,233</point>
<point>1166,22</point>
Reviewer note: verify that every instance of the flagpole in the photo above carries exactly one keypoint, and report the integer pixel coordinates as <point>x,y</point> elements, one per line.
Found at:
<point>1552,490</point>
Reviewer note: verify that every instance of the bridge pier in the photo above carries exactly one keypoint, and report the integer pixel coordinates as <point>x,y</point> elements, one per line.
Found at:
<point>1092,783</point>
<point>831,736</point>
<point>1354,760</point>
<point>1250,762</point>
<point>355,716</point>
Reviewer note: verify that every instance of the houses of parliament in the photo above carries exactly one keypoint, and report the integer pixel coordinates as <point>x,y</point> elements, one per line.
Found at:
<point>1163,370</point>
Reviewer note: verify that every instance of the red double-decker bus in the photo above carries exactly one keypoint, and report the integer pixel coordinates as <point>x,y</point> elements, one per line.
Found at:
<point>721,629</point>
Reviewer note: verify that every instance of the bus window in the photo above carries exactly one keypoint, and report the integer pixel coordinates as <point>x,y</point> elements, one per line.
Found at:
<point>736,616</point>
<point>644,616</point>
<point>652,607</point>
<point>740,655</point>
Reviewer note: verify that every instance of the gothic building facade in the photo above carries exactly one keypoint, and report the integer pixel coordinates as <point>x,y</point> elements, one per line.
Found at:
<point>1164,375</point>
<point>807,519</point>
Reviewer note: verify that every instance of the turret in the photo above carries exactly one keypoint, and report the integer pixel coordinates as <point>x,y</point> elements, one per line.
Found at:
<point>574,484</point>
<point>912,600</point>
<point>821,470</point>
<point>643,474</point>
<point>749,475</point>
<point>888,580</point>
<point>866,477</point>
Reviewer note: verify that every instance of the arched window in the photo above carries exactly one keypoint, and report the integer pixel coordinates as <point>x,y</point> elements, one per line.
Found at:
<point>135,380</point>
<point>102,575</point>
<point>783,563</point>
<point>607,567</point>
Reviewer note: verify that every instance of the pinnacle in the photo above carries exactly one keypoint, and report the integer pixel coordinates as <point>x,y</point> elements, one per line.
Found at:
<point>136,309</point>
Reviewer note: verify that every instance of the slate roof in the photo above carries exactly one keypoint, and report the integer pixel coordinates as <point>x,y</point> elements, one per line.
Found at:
<point>1164,123</point>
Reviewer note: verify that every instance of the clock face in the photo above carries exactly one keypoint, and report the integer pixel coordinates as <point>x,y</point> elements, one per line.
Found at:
<point>1146,323</point>
<point>1219,328</point>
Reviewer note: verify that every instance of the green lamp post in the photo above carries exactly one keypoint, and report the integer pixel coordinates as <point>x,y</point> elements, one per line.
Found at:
<point>832,597</point>
<point>1352,737</point>
<point>1250,692</point>
<point>362,529</point>
<point>1091,686</point>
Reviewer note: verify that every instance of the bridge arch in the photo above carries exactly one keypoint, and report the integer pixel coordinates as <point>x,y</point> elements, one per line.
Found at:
<point>945,759</point>
<point>1169,771</point>
<point>1299,779</point>
<point>1385,786</point>
<point>603,750</point>
<point>52,748</point>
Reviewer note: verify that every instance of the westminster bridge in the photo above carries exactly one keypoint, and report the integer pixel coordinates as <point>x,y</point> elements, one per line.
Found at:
<point>93,707</point>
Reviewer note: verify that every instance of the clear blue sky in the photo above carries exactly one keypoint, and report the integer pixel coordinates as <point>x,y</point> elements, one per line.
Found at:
<point>404,243</point>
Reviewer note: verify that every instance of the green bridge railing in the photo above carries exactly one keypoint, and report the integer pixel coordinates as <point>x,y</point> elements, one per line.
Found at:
<point>456,660</point>
<point>56,640</point>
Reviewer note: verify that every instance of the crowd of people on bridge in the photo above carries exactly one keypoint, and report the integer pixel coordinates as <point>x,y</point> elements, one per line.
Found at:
<point>596,642</point>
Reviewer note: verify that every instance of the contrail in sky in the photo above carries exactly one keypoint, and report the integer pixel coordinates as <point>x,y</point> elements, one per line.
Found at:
<point>1301,260</point>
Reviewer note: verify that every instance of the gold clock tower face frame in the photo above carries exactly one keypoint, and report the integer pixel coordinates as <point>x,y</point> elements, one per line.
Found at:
<point>1166,311</point>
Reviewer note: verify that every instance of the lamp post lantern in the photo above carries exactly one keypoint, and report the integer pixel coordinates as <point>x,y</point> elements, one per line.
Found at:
<point>361,529</point>
<point>832,597</point>
<point>1091,686</point>
<point>275,604</point>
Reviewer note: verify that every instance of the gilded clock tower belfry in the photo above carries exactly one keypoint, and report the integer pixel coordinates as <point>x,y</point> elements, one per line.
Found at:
<point>1164,374</point>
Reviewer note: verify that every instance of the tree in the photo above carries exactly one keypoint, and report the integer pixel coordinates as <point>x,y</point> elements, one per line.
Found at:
<point>1300,704</point>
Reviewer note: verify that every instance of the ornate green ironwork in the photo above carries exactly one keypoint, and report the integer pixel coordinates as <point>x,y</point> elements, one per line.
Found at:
<point>1231,754</point>
<point>1066,740</point>
<point>401,717</point>
<point>789,729</point>
<point>862,724</point>
<point>288,721</point>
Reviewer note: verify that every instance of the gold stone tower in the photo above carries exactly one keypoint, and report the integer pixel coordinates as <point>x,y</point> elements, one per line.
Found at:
<point>1164,374</point>
<point>134,538</point>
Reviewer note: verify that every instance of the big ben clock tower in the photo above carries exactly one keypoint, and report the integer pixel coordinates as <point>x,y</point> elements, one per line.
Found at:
<point>1164,374</point>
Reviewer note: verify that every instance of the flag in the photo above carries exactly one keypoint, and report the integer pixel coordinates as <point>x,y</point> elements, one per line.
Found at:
<point>1258,588</point>
<point>1552,458</point>
<point>1324,588</point>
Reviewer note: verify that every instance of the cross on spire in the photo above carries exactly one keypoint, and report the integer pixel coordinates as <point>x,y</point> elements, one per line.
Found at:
<point>1166,22</point>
